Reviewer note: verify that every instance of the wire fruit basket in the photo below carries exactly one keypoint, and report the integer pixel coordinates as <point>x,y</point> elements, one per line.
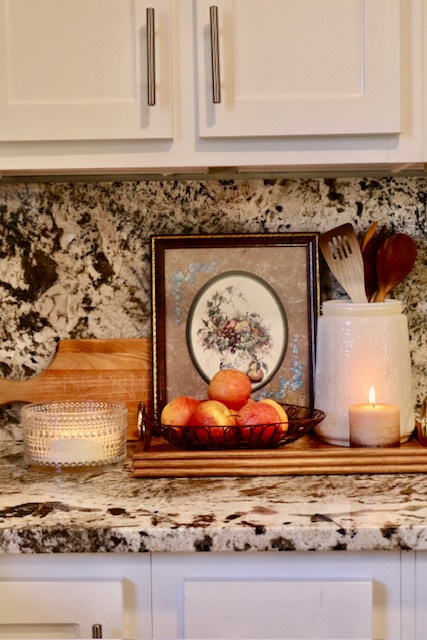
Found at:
<point>301,420</point>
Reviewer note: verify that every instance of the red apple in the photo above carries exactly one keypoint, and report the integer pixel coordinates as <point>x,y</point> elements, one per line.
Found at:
<point>231,387</point>
<point>257,413</point>
<point>208,421</point>
<point>280,410</point>
<point>282,427</point>
<point>212,413</point>
<point>178,411</point>
<point>209,435</point>
<point>257,420</point>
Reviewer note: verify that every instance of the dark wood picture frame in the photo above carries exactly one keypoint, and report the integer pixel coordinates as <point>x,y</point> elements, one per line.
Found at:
<point>233,271</point>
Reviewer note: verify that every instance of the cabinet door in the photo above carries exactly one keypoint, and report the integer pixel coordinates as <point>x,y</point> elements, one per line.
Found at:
<point>299,67</point>
<point>77,70</point>
<point>293,595</point>
<point>308,609</point>
<point>62,595</point>
<point>421,596</point>
<point>60,609</point>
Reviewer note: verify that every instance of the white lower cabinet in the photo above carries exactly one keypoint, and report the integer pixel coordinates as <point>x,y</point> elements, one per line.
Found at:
<point>246,595</point>
<point>277,608</point>
<point>421,597</point>
<point>63,596</point>
<point>61,608</point>
<point>285,596</point>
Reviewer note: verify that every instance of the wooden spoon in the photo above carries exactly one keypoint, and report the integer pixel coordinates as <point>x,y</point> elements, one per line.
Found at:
<point>370,247</point>
<point>369,235</point>
<point>396,258</point>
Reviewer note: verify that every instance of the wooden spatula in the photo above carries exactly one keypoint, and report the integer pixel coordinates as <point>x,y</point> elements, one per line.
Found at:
<point>341,250</point>
<point>105,370</point>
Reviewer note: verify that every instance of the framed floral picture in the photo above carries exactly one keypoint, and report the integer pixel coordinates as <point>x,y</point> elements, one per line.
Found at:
<point>244,301</point>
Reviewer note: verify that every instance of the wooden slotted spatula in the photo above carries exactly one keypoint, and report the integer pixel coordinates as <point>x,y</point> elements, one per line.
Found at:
<point>341,250</point>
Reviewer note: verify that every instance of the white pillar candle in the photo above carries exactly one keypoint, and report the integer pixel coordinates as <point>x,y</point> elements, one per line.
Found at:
<point>374,425</point>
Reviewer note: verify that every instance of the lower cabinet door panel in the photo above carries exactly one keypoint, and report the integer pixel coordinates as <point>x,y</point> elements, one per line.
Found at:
<point>305,610</point>
<point>278,596</point>
<point>60,609</point>
<point>62,595</point>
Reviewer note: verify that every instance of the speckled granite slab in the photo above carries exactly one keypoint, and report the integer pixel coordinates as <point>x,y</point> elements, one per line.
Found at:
<point>75,263</point>
<point>110,511</point>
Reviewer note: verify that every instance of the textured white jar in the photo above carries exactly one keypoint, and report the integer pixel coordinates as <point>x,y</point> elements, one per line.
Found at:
<point>360,345</point>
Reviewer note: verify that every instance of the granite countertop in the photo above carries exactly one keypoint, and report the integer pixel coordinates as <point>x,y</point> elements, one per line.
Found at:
<point>110,511</point>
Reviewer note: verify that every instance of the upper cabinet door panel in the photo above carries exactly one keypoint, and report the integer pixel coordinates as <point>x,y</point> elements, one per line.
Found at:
<point>300,67</point>
<point>73,69</point>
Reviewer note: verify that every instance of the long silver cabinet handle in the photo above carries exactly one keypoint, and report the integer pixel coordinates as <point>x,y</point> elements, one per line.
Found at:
<point>151,58</point>
<point>216,74</point>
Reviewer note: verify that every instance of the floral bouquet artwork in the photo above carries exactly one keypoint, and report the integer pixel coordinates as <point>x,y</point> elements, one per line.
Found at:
<point>237,336</point>
<point>237,321</point>
<point>247,302</point>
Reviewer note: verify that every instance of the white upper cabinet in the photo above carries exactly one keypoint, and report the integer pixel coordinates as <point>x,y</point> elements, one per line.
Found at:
<point>300,84</point>
<point>77,69</point>
<point>298,67</point>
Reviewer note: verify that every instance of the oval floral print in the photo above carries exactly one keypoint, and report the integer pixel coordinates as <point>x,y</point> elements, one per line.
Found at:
<point>237,321</point>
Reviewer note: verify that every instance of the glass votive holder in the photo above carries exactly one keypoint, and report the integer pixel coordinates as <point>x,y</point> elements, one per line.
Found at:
<point>74,435</point>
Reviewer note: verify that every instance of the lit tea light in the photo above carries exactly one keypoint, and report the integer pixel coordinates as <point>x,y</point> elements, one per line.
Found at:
<point>74,451</point>
<point>374,425</point>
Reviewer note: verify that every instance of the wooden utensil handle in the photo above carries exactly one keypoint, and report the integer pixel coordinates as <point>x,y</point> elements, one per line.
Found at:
<point>18,390</point>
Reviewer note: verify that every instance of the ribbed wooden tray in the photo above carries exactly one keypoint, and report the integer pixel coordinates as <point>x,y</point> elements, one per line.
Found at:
<point>306,456</point>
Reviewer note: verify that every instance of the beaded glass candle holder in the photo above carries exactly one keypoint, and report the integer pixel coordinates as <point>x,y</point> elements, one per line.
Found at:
<point>74,435</point>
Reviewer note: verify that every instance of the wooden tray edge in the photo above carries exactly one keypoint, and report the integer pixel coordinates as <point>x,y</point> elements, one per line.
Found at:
<point>306,456</point>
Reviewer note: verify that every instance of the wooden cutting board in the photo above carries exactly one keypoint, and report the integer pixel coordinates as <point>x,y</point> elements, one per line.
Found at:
<point>113,370</point>
<point>306,456</point>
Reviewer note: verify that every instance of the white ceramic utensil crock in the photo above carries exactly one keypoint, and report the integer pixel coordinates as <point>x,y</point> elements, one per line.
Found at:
<point>359,346</point>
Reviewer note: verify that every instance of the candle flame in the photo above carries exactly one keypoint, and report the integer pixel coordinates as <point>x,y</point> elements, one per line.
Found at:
<point>372,396</point>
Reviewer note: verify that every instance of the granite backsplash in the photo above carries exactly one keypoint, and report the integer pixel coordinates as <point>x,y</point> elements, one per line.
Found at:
<point>75,258</point>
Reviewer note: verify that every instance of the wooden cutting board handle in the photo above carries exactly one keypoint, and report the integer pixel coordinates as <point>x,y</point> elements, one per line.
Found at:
<point>105,370</point>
